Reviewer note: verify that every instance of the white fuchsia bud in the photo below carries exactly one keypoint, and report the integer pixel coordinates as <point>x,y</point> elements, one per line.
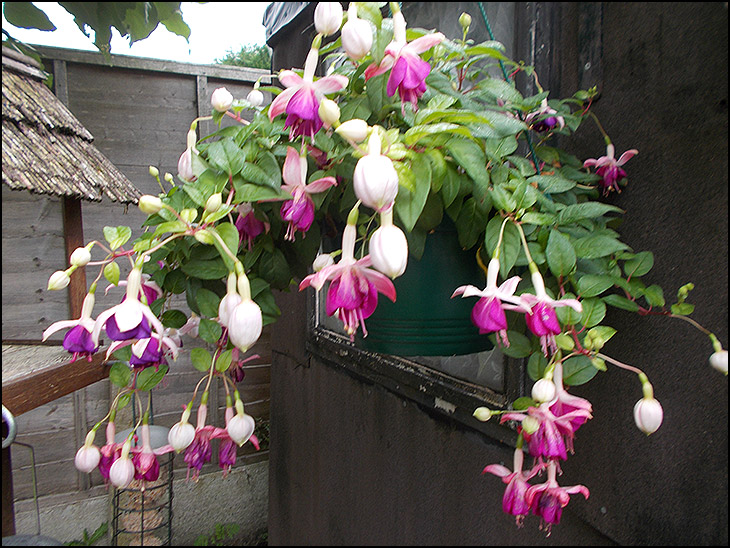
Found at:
<point>121,472</point>
<point>154,171</point>
<point>530,425</point>
<point>375,179</point>
<point>168,177</point>
<point>323,260</point>
<point>221,100</point>
<point>245,324</point>
<point>88,456</point>
<point>328,17</point>
<point>240,428</point>
<point>149,204</point>
<point>357,35</point>
<point>482,414</point>
<point>185,166</point>
<point>355,130</point>
<point>182,434</point>
<point>648,415</point>
<point>214,203</point>
<point>329,112</point>
<point>255,97</point>
<point>543,391</point>
<point>80,257</point>
<point>465,20</point>
<point>389,250</point>
<point>58,280</point>
<point>718,360</point>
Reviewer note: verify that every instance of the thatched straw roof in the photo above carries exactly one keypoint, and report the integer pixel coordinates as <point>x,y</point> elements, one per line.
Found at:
<point>46,150</point>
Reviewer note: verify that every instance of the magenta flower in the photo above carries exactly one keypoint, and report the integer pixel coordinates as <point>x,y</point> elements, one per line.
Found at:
<point>199,451</point>
<point>109,451</point>
<point>542,320</point>
<point>513,501</point>
<point>300,100</point>
<point>566,403</point>
<point>248,225</point>
<point>146,465</point>
<point>354,287</point>
<point>299,211</point>
<point>488,313</point>
<point>78,339</point>
<point>609,169</point>
<point>548,499</point>
<point>544,119</point>
<point>409,71</point>
<point>554,435</point>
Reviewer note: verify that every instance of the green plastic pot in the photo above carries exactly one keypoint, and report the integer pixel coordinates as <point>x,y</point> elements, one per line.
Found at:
<point>425,320</point>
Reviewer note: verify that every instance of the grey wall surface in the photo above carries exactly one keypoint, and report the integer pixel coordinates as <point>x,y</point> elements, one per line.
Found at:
<point>354,462</point>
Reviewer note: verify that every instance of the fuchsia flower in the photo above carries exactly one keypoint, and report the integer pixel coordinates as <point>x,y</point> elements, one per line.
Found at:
<point>78,340</point>
<point>609,169</point>
<point>354,287</point>
<point>548,499</point>
<point>248,225</point>
<point>146,465</point>
<point>566,404</point>
<point>199,451</point>
<point>543,119</point>
<point>409,71</point>
<point>110,451</point>
<point>300,100</point>
<point>130,319</point>
<point>488,313</point>
<point>542,320</point>
<point>299,211</point>
<point>513,501</point>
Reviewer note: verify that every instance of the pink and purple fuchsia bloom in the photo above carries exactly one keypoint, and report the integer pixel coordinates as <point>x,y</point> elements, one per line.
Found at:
<point>488,313</point>
<point>548,499</point>
<point>300,100</point>
<point>78,339</point>
<point>408,71</point>
<point>513,501</point>
<point>299,211</point>
<point>354,286</point>
<point>609,169</point>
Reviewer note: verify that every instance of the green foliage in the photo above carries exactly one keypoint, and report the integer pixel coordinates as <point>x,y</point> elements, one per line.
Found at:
<point>133,20</point>
<point>90,539</point>
<point>220,536</point>
<point>252,56</point>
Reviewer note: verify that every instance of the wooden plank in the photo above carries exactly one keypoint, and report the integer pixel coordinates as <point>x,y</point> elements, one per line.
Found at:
<point>73,232</point>
<point>24,392</point>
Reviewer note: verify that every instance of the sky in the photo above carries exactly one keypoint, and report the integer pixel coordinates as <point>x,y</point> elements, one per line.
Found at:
<point>216,28</point>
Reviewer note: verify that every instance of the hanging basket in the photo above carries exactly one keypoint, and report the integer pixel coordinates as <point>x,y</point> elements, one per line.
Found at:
<point>425,320</point>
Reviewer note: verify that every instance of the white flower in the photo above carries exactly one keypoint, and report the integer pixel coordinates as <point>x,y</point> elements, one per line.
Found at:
<point>389,250</point>
<point>80,257</point>
<point>121,472</point>
<point>181,435</point>
<point>357,36</point>
<point>543,391</point>
<point>328,17</point>
<point>58,280</point>
<point>245,324</point>
<point>355,130</point>
<point>149,204</point>
<point>255,97</point>
<point>88,456</point>
<point>648,415</point>
<point>375,179</point>
<point>221,100</point>
<point>240,428</point>
<point>718,360</point>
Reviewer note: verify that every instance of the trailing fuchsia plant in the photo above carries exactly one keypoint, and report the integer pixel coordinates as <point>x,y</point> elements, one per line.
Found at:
<point>406,128</point>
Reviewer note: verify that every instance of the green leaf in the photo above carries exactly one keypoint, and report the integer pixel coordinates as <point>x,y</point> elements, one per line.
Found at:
<point>149,377</point>
<point>520,404</point>
<point>536,365</point>
<point>566,314</point>
<point>498,148</point>
<point>617,301</point>
<point>597,337</point>
<point>499,89</point>
<point>519,345</point>
<point>639,265</point>
<point>205,270</point>
<point>597,246</point>
<point>683,309</point>
<point>469,224</point>
<point>469,156</point>
<point>416,133</point>
<point>552,184</point>
<point>120,374</point>
<point>229,234</point>
<point>560,254</point>
<point>25,15</point>
<point>223,362</point>
<point>578,370</point>
<point>254,174</point>
<point>174,319</point>
<point>209,331</point>
<point>117,236</point>
<point>588,210</point>
<point>539,219</point>
<point>409,205</point>
<point>593,285</point>
<point>226,156</point>
<point>111,273</point>
<point>594,310</point>
<point>654,295</point>
<point>511,245</point>
<point>207,302</point>
<point>201,359</point>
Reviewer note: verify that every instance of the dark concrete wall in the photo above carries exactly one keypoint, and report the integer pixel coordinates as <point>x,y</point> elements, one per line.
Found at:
<point>354,463</point>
